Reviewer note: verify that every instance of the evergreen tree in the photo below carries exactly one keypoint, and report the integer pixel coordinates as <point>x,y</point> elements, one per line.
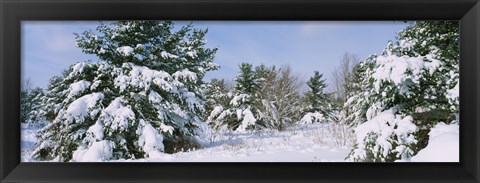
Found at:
<point>30,104</point>
<point>245,99</point>
<point>438,41</point>
<point>416,78</point>
<point>357,103</point>
<point>246,82</point>
<point>241,113</point>
<point>142,99</point>
<point>217,94</point>
<point>35,100</point>
<point>52,100</point>
<point>318,99</point>
<point>319,103</point>
<point>25,98</point>
<point>24,107</point>
<point>264,97</point>
<point>265,79</point>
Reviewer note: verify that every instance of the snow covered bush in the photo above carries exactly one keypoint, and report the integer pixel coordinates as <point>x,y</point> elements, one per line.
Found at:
<point>312,117</point>
<point>143,99</point>
<point>417,76</point>
<point>384,138</point>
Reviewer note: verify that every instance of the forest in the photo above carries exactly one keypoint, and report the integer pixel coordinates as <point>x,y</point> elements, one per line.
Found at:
<point>147,99</point>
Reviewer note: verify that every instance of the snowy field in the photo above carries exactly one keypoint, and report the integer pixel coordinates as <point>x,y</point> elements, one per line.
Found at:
<point>299,143</point>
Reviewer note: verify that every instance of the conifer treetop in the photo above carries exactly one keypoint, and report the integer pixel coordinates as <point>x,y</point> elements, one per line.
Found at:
<point>150,43</point>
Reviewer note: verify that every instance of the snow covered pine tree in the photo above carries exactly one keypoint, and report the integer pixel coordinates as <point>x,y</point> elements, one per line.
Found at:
<point>319,103</point>
<point>242,112</point>
<point>412,87</point>
<point>217,93</point>
<point>31,100</point>
<point>143,99</point>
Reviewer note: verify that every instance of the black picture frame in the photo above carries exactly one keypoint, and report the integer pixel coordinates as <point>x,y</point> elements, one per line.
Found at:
<point>12,12</point>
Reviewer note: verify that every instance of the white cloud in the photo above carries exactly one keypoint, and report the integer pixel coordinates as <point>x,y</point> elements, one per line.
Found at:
<point>311,29</point>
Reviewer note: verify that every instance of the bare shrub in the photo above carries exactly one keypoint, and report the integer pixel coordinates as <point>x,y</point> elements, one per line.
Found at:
<point>341,134</point>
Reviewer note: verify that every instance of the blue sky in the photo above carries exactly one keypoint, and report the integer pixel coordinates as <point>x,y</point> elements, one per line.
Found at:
<point>49,47</point>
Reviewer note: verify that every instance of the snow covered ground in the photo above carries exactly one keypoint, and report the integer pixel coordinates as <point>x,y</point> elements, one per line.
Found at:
<point>443,145</point>
<point>299,143</point>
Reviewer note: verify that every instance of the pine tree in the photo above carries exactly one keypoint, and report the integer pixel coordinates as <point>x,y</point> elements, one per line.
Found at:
<point>264,97</point>
<point>316,96</point>
<point>242,112</point>
<point>218,96</point>
<point>357,103</point>
<point>24,107</point>
<point>435,98</point>
<point>52,99</point>
<point>30,104</point>
<point>216,92</point>
<point>246,82</point>
<point>142,99</point>
<point>319,103</point>
<point>35,100</point>
<point>416,78</point>
<point>439,42</point>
